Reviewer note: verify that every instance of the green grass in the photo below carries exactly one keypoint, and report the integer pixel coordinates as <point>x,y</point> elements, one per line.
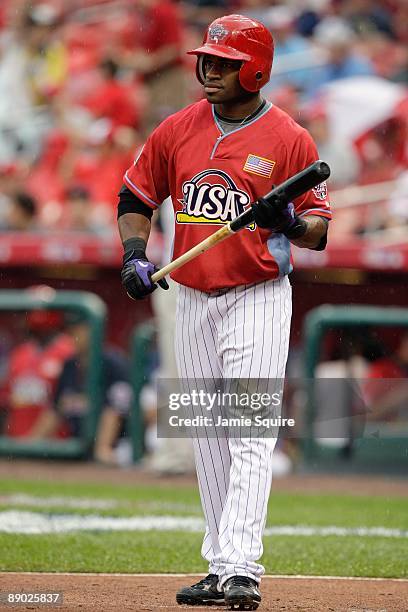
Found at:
<point>284,508</point>
<point>180,552</point>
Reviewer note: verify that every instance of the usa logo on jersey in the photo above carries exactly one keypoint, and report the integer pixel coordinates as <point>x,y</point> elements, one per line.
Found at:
<point>211,197</point>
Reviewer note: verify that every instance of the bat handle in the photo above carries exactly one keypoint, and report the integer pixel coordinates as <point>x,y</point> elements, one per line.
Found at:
<point>203,246</point>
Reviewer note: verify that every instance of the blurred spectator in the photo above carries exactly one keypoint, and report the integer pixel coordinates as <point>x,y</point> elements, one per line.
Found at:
<point>46,179</point>
<point>367,16</point>
<point>382,151</point>
<point>309,16</point>
<point>101,159</point>
<point>294,55</point>
<point>81,216</point>
<point>47,61</point>
<point>338,152</point>
<point>200,13</point>
<point>400,21</point>
<point>386,388</point>
<point>34,367</point>
<point>32,70</point>
<point>15,103</point>
<point>337,39</point>
<point>114,99</point>
<point>350,354</point>
<point>3,16</point>
<point>393,365</point>
<point>11,181</point>
<point>338,393</point>
<point>72,402</point>
<point>21,214</point>
<point>287,98</point>
<point>160,59</point>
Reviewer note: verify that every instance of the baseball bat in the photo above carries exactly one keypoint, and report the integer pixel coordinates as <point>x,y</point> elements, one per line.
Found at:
<point>287,191</point>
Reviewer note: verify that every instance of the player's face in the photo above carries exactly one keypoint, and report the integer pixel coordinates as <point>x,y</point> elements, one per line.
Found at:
<point>221,82</point>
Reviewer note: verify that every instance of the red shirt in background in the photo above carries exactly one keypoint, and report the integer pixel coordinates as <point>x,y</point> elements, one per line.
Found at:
<point>116,101</point>
<point>378,386</point>
<point>45,181</point>
<point>162,25</point>
<point>101,174</point>
<point>33,374</point>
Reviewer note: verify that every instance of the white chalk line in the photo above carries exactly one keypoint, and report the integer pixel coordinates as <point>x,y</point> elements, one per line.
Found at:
<point>198,575</point>
<point>55,501</point>
<point>25,522</point>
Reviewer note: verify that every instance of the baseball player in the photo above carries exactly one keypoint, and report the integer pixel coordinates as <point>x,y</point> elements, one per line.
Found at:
<point>214,158</point>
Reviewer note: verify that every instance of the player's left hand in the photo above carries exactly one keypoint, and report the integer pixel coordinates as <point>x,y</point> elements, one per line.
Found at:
<point>279,217</point>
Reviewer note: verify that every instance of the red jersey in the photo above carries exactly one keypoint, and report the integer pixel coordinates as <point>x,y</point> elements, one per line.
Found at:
<point>213,177</point>
<point>379,376</point>
<point>33,372</point>
<point>117,101</point>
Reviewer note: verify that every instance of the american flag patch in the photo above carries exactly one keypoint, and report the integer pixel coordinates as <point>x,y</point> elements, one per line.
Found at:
<point>259,165</point>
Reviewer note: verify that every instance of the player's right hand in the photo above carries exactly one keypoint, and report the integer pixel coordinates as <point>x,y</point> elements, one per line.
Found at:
<point>279,216</point>
<point>136,274</point>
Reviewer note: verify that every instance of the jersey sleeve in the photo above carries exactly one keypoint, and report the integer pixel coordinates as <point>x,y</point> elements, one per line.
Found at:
<point>147,178</point>
<point>315,201</point>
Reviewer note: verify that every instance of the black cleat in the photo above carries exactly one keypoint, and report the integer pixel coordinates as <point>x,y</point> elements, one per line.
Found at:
<point>203,593</point>
<point>242,593</point>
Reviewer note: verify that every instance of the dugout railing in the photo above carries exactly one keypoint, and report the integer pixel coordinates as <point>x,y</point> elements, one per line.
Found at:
<point>375,450</point>
<point>93,311</point>
<point>142,342</point>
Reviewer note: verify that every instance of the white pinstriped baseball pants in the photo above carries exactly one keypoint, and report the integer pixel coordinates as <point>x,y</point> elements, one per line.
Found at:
<point>242,333</point>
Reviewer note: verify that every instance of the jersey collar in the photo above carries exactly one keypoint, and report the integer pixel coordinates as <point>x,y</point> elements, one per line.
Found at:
<point>260,113</point>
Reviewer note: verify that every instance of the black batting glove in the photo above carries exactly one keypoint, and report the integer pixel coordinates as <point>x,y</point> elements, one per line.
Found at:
<point>137,270</point>
<point>279,216</point>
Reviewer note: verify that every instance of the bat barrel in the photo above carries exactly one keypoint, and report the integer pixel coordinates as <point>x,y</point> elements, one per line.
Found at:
<point>291,189</point>
<point>303,181</point>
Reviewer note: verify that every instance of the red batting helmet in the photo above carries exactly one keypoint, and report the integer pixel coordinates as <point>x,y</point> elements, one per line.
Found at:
<point>237,37</point>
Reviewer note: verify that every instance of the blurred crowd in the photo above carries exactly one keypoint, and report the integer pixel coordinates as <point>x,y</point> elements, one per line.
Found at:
<point>82,82</point>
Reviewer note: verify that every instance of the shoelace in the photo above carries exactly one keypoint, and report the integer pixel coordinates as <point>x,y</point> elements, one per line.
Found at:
<point>242,581</point>
<point>207,580</point>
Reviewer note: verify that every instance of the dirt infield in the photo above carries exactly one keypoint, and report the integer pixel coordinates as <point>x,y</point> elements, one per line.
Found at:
<point>153,593</point>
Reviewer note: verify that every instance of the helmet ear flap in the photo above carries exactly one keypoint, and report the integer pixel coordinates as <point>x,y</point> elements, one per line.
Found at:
<point>200,69</point>
<point>255,73</point>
